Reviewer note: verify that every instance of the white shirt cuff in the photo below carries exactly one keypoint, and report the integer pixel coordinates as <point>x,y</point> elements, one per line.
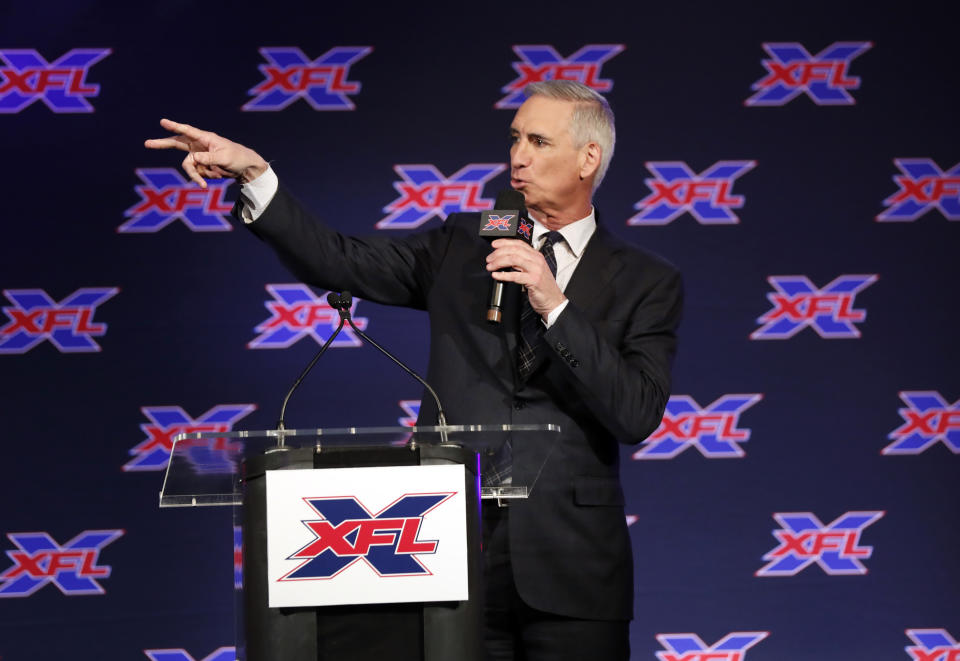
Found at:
<point>555,313</point>
<point>257,195</point>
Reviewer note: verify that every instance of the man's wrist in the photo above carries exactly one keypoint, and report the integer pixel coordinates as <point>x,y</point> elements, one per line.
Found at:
<point>554,314</point>
<point>253,172</point>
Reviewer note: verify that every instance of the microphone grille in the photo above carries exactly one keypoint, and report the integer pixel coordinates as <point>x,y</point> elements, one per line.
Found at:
<point>510,199</point>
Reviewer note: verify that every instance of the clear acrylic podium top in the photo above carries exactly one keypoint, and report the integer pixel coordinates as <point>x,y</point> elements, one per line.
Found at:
<point>204,467</point>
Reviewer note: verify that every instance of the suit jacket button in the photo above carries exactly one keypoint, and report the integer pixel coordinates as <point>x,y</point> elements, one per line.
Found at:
<point>518,404</point>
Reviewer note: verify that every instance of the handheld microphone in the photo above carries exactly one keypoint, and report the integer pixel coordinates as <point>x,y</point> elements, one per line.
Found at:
<point>509,220</point>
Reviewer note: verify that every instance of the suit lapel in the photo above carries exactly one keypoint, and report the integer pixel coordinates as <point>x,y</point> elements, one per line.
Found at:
<point>598,266</point>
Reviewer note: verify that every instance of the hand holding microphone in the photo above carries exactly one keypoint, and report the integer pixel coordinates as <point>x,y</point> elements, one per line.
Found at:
<point>508,220</point>
<point>512,261</point>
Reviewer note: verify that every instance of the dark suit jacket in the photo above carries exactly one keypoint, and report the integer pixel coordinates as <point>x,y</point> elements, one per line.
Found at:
<point>606,379</point>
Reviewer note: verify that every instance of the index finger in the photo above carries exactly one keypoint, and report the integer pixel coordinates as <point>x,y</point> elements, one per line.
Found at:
<point>183,129</point>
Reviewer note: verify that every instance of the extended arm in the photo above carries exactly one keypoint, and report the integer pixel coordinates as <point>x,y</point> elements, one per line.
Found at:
<point>393,272</point>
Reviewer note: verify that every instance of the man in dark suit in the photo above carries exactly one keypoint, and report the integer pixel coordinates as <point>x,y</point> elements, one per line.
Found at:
<point>586,343</point>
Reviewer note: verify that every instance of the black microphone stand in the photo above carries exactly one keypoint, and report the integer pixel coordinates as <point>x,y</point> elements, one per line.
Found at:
<point>346,300</point>
<point>334,300</point>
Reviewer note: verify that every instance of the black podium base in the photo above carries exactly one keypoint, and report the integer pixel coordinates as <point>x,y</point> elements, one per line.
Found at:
<point>373,632</point>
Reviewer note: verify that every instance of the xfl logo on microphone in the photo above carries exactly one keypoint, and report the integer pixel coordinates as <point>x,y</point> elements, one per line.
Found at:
<point>153,453</point>
<point>793,71</point>
<point>425,193</point>
<point>290,75</point>
<point>72,568</point>
<point>932,645</point>
<point>690,647</point>
<point>296,312</point>
<point>167,197</point>
<point>68,325</point>
<point>928,419</point>
<point>348,532</point>
<point>61,85</point>
<point>923,187</point>
<point>677,190</point>
<point>539,63</point>
<point>804,540</point>
<point>798,304</point>
<point>498,223</point>
<point>712,429</point>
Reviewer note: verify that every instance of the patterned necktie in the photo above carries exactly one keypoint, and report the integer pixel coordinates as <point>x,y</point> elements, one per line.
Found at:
<point>531,328</point>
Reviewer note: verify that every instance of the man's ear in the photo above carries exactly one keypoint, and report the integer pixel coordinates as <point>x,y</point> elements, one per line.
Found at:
<point>590,155</point>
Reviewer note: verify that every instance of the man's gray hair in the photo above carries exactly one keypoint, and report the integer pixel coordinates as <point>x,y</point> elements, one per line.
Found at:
<point>592,119</point>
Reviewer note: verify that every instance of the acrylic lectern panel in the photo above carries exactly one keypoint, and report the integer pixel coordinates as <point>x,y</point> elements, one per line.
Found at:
<point>205,467</point>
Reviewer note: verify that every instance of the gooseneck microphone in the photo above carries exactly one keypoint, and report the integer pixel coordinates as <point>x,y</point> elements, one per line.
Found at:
<point>508,220</point>
<point>346,300</point>
<point>334,301</point>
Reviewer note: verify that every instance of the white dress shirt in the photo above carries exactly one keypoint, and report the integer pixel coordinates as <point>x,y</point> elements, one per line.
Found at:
<point>568,252</point>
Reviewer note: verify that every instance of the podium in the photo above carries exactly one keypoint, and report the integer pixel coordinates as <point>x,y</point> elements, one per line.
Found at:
<point>234,469</point>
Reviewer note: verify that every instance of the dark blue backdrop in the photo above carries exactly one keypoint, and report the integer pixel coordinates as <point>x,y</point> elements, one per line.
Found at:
<point>176,331</point>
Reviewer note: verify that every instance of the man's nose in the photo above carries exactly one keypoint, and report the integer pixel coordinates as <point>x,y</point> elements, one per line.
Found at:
<point>519,155</point>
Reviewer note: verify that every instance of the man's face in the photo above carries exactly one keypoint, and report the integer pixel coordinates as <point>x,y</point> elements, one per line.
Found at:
<point>544,164</point>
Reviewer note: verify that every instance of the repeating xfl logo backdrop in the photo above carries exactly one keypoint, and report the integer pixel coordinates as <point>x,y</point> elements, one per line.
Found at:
<point>798,498</point>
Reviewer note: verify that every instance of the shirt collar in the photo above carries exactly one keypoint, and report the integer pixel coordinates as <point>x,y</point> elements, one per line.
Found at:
<point>576,234</point>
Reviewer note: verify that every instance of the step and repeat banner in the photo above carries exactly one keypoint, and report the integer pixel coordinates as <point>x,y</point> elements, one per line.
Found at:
<point>801,166</point>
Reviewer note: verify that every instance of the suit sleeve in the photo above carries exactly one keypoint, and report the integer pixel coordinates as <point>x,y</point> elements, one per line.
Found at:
<point>379,269</point>
<point>620,370</point>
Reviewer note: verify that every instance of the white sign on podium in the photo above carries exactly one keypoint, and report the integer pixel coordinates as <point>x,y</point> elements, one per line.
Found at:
<point>384,534</point>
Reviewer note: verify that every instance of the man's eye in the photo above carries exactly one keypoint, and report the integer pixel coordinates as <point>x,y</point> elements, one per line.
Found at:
<point>539,142</point>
